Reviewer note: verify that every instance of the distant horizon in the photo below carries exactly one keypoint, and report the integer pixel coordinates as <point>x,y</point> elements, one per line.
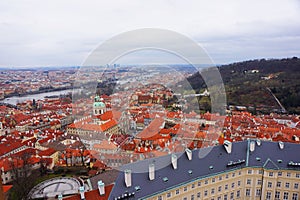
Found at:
<point>137,64</point>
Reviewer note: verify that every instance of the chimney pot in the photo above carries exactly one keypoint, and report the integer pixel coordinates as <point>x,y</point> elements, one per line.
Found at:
<point>101,187</point>
<point>151,171</point>
<point>174,161</point>
<point>127,174</point>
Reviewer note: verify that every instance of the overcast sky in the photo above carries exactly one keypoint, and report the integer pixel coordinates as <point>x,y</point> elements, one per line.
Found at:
<point>63,33</point>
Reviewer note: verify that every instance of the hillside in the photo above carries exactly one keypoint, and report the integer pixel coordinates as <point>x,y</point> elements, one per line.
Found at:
<point>251,84</point>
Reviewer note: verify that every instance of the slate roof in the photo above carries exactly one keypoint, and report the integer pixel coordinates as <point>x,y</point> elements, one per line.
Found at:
<point>205,162</point>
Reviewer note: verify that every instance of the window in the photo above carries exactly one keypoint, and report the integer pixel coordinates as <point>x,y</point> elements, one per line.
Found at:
<point>169,194</point>
<point>213,180</point>
<point>206,182</point>
<point>205,193</point>
<point>285,196</point>
<point>226,187</point>
<point>260,171</point>
<point>212,191</point>
<point>287,185</point>
<point>239,183</point>
<point>250,171</point>
<point>288,174</point>
<point>297,175</point>
<point>225,196</point>
<point>259,181</point>
<point>270,173</point>
<point>177,191</point>
<point>193,185</point>
<point>219,198</point>
<point>192,197</point>
<point>198,195</point>
<point>238,194</point>
<point>277,195</point>
<point>240,172</point>
<point>220,178</point>
<point>231,196</point>
<point>296,185</point>
<point>269,184</point>
<point>184,198</point>
<point>199,184</point>
<point>232,185</point>
<point>279,173</point>
<point>233,174</point>
<point>248,192</point>
<point>185,188</point>
<point>258,192</point>
<point>226,176</point>
<point>278,184</point>
<point>219,188</point>
<point>295,196</point>
<point>248,181</point>
<point>268,196</point>
<point>159,197</point>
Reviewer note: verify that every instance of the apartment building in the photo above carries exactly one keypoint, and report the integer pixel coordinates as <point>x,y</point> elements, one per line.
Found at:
<point>251,169</point>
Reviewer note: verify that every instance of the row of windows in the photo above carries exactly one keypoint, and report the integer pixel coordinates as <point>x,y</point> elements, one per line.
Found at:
<point>271,174</point>
<point>284,197</point>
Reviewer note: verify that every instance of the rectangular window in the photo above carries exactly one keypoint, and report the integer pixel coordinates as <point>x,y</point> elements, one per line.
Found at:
<point>220,178</point>
<point>233,174</point>
<point>279,173</point>
<point>198,195</point>
<point>206,182</point>
<point>285,196</point>
<point>269,184</point>
<point>192,197</point>
<point>288,174</point>
<point>248,192</point>
<point>259,181</point>
<point>219,188</point>
<point>239,183</point>
<point>231,196</point>
<point>268,196</point>
<point>177,191</point>
<point>219,198</point>
<point>296,185</point>
<point>226,176</point>
<point>295,196</point>
<point>159,197</point>
<point>232,185</point>
<point>205,193</point>
<point>240,172</point>
<point>278,184</point>
<point>258,192</point>
<point>250,171</point>
<point>213,180</point>
<point>238,194</point>
<point>287,185</point>
<point>260,171</point>
<point>271,174</point>
<point>297,175</point>
<point>212,191</point>
<point>225,196</point>
<point>193,185</point>
<point>277,195</point>
<point>199,184</point>
<point>184,198</point>
<point>226,187</point>
<point>169,194</point>
<point>248,181</point>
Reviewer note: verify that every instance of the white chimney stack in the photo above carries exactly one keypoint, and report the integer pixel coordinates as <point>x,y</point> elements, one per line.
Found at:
<point>101,187</point>
<point>151,171</point>
<point>252,146</point>
<point>127,174</point>
<point>189,153</point>
<point>174,161</point>
<point>81,191</point>
<point>60,197</point>
<point>228,146</point>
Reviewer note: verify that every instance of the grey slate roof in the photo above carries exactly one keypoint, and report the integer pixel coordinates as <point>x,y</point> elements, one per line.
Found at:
<point>205,162</point>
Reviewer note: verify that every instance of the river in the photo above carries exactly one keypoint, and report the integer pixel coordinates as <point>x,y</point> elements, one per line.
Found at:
<point>17,99</point>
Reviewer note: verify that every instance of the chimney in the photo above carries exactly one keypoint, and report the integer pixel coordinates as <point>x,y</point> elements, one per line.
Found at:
<point>151,171</point>
<point>281,145</point>
<point>101,187</point>
<point>127,174</point>
<point>188,153</point>
<point>81,191</point>
<point>252,146</point>
<point>228,146</point>
<point>174,161</point>
<point>60,197</point>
